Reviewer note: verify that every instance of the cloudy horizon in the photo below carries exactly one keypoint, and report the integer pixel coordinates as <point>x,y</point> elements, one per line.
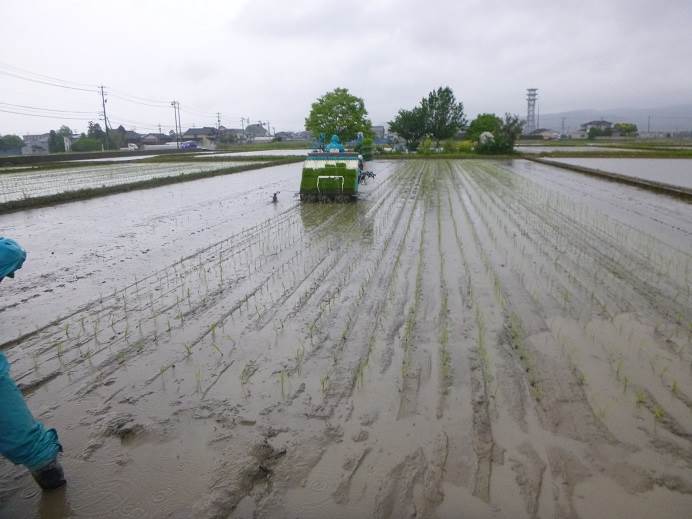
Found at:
<point>270,60</point>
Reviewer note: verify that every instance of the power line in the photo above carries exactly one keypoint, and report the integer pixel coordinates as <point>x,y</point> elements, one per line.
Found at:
<point>45,109</point>
<point>44,79</point>
<point>138,123</point>
<point>48,116</point>
<point>137,101</point>
<point>43,76</point>
<point>46,82</point>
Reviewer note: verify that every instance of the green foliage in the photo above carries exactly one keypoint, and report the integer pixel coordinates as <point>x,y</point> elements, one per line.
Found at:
<point>95,131</point>
<point>438,115</point>
<point>11,142</point>
<point>627,129</point>
<point>425,146</point>
<point>365,148</point>
<point>504,138</point>
<point>410,125</point>
<point>444,115</point>
<point>87,144</point>
<point>56,143</point>
<point>450,146</point>
<point>483,123</point>
<point>338,113</point>
<point>597,132</point>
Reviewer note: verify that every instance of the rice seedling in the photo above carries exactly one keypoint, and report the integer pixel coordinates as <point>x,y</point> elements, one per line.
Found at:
<point>198,380</point>
<point>640,397</point>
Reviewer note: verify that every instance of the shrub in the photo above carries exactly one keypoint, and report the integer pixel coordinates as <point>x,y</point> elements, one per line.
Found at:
<point>450,146</point>
<point>425,146</point>
<point>86,144</point>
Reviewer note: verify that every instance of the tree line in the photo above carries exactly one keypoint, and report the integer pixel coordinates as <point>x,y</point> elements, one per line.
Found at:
<point>439,117</point>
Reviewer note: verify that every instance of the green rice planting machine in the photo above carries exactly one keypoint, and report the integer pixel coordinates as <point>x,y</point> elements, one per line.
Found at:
<point>332,175</point>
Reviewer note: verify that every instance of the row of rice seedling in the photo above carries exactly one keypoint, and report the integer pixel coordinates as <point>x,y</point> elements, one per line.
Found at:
<point>31,184</point>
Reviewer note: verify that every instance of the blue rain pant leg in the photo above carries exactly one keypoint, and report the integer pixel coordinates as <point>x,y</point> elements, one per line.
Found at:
<point>23,440</point>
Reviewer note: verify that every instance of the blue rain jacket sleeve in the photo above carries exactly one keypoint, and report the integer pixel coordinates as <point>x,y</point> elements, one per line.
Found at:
<point>23,440</point>
<point>12,257</point>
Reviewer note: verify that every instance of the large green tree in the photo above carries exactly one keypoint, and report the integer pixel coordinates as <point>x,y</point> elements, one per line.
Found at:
<point>483,123</point>
<point>627,129</point>
<point>56,144</point>
<point>56,141</point>
<point>95,131</point>
<point>11,143</point>
<point>338,113</point>
<point>410,125</point>
<point>444,114</point>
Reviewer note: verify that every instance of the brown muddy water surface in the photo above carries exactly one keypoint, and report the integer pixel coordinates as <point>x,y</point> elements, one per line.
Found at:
<point>470,339</point>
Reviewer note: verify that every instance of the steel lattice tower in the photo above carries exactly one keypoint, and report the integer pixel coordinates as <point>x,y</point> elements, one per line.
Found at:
<point>531,97</point>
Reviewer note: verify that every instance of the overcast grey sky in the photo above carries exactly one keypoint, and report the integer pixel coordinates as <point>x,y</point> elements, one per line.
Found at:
<point>269,59</point>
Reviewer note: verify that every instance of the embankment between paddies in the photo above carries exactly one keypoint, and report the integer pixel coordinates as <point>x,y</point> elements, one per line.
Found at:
<point>83,194</point>
<point>22,160</point>
<point>660,187</point>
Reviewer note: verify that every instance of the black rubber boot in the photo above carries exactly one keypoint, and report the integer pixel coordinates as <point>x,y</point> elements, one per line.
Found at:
<point>50,476</point>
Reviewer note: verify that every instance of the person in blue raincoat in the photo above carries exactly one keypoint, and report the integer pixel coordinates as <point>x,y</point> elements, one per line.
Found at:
<point>23,439</point>
<point>335,145</point>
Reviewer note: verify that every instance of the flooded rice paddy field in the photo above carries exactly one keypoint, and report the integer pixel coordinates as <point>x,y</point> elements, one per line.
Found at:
<point>472,338</point>
<point>676,172</point>
<point>23,185</point>
<point>550,149</point>
<point>258,153</point>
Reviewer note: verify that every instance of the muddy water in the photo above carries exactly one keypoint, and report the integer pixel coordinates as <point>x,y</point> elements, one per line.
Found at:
<point>35,183</point>
<point>82,250</point>
<point>549,149</point>
<point>258,153</point>
<point>677,172</point>
<point>472,338</point>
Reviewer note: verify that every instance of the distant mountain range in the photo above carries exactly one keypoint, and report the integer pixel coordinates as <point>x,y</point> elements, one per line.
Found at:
<point>665,119</point>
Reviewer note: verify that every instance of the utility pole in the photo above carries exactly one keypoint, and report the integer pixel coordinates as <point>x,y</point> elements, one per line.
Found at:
<point>175,115</point>
<point>159,127</point>
<point>105,118</point>
<point>531,97</point>
<point>218,121</point>
<point>562,132</point>
<point>180,121</point>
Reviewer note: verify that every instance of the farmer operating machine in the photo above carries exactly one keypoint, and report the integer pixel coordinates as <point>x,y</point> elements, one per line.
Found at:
<point>333,174</point>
